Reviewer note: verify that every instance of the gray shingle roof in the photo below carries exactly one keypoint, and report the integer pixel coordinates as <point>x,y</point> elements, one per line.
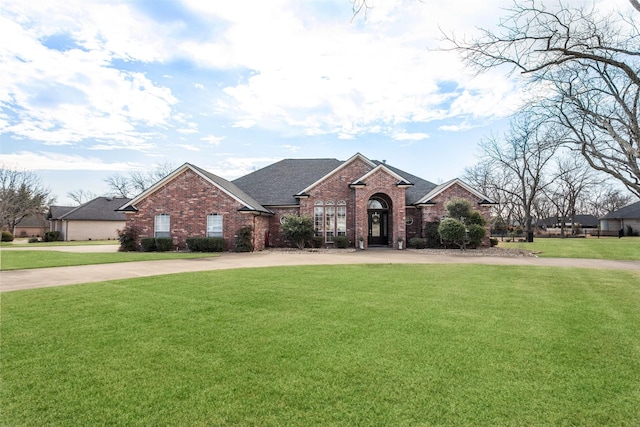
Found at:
<point>98,209</point>
<point>628,212</point>
<point>33,221</point>
<point>57,212</point>
<point>276,184</point>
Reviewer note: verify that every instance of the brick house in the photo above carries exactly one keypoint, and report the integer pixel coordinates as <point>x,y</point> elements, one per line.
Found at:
<point>352,198</point>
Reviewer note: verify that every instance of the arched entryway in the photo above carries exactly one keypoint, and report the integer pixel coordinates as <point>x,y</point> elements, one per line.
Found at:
<point>378,209</point>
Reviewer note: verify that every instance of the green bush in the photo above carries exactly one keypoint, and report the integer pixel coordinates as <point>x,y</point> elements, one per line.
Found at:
<point>206,244</point>
<point>341,242</point>
<point>51,236</point>
<point>7,236</point>
<point>476,233</point>
<point>148,244</point>
<point>417,243</point>
<point>431,234</point>
<point>244,240</point>
<point>476,218</point>
<point>33,240</point>
<point>493,241</point>
<point>128,239</point>
<point>453,231</point>
<point>298,229</point>
<point>317,241</point>
<point>164,244</point>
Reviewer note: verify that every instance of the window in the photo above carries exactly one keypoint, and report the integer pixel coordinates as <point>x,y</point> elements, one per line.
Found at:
<point>162,226</point>
<point>330,220</point>
<point>214,225</point>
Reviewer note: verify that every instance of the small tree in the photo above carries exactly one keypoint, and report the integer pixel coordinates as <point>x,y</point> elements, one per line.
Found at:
<point>453,231</point>
<point>298,229</point>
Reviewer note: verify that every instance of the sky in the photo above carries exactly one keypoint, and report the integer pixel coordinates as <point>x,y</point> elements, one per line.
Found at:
<point>89,88</point>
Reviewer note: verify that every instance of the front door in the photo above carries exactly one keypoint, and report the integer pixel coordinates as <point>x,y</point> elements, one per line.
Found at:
<point>378,228</point>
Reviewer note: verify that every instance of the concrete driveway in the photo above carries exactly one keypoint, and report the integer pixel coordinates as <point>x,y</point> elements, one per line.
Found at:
<point>58,276</point>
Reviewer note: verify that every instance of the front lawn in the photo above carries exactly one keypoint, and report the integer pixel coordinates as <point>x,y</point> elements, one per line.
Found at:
<point>627,248</point>
<point>18,260</point>
<point>328,345</point>
<point>22,243</point>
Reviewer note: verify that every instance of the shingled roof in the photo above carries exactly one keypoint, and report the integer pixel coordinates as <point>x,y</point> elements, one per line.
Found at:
<point>276,184</point>
<point>630,211</point>
<point>98,209</point>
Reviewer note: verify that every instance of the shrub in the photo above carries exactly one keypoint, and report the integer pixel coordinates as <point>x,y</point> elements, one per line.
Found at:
<point>51,236</point>
<point>452,231</point>
<point>244,241</point>
<point>164,244</point>
<point>459,208</point>
<point>431,234</point>
<point>148,244</point>
<point>317,241</point>
<point>7,236</point>
<point>476,218</point>
<point>417,243</point>
<point>476,233</point>
<point>298,229</point>
<point>128,239</point>
<point>493,241</point>
<point>33,240</point>
<point>341,242</point>
<point>206,244</point>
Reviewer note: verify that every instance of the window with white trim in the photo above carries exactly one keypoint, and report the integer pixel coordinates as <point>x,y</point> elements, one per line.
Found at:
<point>162,226</point>
<point>330,220</point>
<point>214,225</point>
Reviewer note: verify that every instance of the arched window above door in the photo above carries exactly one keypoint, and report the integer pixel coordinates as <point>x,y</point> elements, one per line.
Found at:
<point>377,203</point>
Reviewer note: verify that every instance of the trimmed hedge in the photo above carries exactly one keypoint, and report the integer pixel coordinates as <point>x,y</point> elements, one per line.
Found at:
<point>341,242</point>
<point>206,244</point>
<point>148,244</point>
<point>7,236</point>
<point>417,243</point>
<point>164,244</point>
<point>51,236</point>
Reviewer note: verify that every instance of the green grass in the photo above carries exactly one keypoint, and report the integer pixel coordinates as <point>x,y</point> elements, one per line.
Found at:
<point>627,248</point>
<point>18,260</point>
<point>72,243</point>
<point>328,345</point>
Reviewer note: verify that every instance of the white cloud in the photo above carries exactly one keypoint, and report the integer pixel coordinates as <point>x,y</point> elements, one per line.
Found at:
<point>213,140</point>
<point>290,148</point>
<point>189,147</point>
<point>234,167</point>
<point>53,161</point>
<point>407,136</point>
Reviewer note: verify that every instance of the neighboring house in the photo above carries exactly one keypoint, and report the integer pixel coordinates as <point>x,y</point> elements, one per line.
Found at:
<point>31,226</point>
<point>554,223</point>
<point>352,198</point>
<point>95,220</point>
<point>628,216</point>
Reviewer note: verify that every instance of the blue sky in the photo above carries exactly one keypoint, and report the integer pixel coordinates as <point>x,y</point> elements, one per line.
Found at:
<point>93,88</point>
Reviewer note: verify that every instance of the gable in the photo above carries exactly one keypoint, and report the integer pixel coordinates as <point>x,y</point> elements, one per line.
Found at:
<point>430,197</point>
<point>216,182</point>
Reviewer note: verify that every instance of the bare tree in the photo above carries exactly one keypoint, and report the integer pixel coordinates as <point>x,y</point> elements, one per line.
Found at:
<point>605,198</point>
<point>21,194</point>
<point>81,196</point>
<point>524,155</point>
<point>136,182</point>
<point>572,178</point>
<point>585,67</point>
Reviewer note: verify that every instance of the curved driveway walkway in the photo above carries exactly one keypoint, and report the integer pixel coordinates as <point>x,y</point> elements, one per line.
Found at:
<point>58,276</point>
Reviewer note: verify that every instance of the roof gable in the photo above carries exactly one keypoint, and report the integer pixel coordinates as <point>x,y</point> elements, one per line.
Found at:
<point>344,165</point>
<point>382,167</point>
<point>222,184</point>
<point>428,198</point>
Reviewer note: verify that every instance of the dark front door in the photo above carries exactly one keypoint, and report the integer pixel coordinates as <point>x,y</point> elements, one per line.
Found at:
<point>378,228</point>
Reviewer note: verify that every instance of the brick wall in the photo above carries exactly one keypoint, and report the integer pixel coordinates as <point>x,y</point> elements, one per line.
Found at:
<point>188,199</point>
